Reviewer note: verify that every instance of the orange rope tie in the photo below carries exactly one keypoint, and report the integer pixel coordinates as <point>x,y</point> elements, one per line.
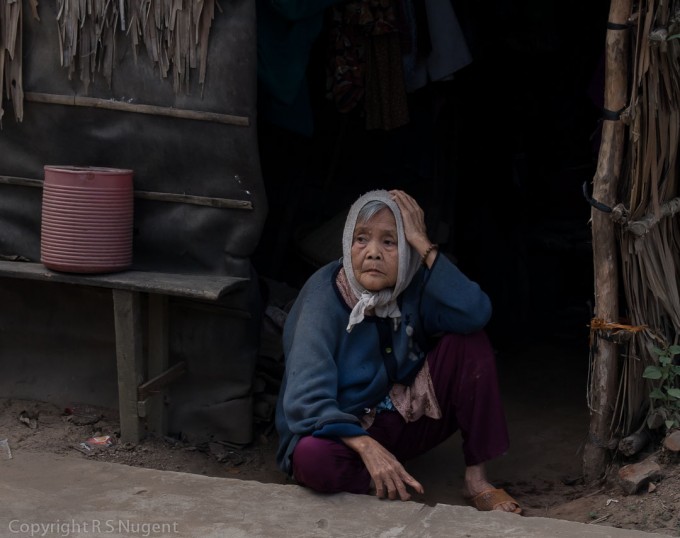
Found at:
<point>597,324</point>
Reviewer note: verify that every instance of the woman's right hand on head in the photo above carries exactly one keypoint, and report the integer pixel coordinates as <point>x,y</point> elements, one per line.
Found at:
<point>413,217</point>
<point>389,476</point>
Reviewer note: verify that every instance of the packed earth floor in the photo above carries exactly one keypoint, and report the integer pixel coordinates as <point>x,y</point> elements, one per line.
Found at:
<point>548,422</point>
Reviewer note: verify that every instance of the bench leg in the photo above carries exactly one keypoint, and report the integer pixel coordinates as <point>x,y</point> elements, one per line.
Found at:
<point>158,360</point>
<point>130,360</point>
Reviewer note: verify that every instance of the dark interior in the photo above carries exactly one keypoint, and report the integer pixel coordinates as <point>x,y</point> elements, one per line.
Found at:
<point>497,157</point>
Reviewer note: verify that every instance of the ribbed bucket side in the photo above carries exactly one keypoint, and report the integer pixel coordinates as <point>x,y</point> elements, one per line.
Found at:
<point>87,219</point>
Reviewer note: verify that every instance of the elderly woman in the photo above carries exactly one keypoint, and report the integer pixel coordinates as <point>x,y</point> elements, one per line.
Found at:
<point>385,359</point>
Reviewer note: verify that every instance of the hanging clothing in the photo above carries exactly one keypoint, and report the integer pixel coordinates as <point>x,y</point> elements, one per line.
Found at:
<point>365,67</point>
<point>381,50</point>
<point>385,105</point>
<point>286,32</point>
<point>440,49</point>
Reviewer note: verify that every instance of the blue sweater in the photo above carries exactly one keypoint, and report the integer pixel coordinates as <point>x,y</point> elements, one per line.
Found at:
<point>333,376</point>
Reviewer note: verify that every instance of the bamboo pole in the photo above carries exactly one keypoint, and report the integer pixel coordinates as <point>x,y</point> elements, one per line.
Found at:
<point>209,201</point>
<point>604,378</point>
<point>220,203</point>
<point>110,104</point>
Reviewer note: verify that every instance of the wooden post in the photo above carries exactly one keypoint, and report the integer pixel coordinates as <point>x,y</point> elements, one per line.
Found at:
<point>127,317</point>
<point>604,377</point>
<point>158,359</point>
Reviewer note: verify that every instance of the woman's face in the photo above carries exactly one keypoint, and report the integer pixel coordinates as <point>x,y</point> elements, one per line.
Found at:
<point>375,257</point>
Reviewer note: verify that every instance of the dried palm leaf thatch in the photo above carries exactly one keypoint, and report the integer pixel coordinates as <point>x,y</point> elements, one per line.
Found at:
<point>651,261</point>
<point>87,37</point>
<point>11,80</point>
<point>174,33</point>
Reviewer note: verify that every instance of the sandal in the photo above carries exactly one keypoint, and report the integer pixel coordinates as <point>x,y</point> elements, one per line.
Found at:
<point>491,498</point>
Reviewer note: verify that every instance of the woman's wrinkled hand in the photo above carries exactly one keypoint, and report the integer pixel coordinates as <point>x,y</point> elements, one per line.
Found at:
<point>389,476</point>
<point>413,217</point>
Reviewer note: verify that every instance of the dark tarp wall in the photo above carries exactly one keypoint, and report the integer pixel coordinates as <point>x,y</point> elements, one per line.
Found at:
<point>57,341</point>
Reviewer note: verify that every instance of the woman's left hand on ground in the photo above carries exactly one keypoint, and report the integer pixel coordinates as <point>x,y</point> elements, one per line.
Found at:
<point>389,476</point>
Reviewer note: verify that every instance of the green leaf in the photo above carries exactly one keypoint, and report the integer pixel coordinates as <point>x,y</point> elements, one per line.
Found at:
<point>674,393</point>
<point>675,369</point>
<point>670,424</point>
<point>658,351</point>
<point>657,394</point>
<point>652,372</point>
<point>674,349</point>
<point>665,359</point>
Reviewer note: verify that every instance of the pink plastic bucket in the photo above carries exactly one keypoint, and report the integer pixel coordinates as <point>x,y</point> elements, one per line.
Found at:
<point>87,217</point>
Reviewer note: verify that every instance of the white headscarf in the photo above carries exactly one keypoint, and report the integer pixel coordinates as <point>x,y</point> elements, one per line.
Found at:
<point>383,302</point>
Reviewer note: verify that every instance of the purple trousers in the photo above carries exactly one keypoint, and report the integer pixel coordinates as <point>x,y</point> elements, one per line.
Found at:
<point>463,372</point>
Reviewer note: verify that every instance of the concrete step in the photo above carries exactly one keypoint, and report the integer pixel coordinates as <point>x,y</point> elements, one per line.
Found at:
<point>56,495</point>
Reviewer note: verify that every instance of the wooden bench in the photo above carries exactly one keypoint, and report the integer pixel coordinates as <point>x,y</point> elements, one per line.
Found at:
<point>139,399</point>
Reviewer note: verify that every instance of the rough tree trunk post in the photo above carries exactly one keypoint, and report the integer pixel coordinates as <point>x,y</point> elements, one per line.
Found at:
<point>604,377</point>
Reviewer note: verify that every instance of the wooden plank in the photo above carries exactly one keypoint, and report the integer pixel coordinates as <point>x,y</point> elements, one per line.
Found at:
<point>160,381</point>
<point>195,286</point>
<point>130,361</point>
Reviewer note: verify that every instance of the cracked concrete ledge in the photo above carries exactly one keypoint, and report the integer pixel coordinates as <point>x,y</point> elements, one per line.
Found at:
<point>51,495</point>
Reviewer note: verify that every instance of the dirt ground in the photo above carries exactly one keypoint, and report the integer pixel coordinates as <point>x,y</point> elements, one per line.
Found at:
<point>542,469</point>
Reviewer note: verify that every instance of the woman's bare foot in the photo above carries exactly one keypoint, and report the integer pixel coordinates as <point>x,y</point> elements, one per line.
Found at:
<point>476,483</point>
